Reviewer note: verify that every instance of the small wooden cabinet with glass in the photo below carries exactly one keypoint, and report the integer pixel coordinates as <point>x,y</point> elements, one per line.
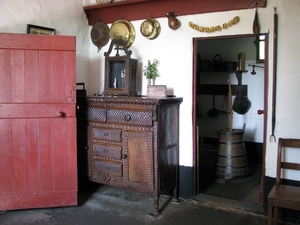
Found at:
<point>120,71</point>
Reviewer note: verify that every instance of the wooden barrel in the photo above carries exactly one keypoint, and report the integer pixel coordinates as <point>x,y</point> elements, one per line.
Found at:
<point>232,160</point>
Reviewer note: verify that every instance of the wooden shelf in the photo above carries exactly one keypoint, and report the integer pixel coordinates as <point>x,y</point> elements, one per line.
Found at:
<point>143,9</point>
<point>220,89</point>
<point>238,74</point>
<point>225,71</point>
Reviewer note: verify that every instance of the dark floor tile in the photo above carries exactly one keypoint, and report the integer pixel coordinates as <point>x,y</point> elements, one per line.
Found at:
<point>103,205</point>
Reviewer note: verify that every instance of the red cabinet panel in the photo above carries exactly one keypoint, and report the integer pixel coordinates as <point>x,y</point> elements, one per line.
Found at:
<point>38,165</point>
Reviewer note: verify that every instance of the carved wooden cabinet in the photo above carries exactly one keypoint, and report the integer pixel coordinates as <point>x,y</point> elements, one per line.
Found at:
<point>134,143</point>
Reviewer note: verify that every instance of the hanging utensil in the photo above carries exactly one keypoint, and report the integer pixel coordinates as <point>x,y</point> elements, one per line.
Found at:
<point>100,34</point>
<point>150,28</point>
<point>256,27</point>
<point>173,22</point>
<point>213,112</point>
<point>230,105</point>
<point>122,29</point>
<point>223,108</point>
<point>272,137</point>
<point>241,103</point>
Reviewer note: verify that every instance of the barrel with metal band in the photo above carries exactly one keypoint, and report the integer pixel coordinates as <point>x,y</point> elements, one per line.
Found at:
<point>232,160</point>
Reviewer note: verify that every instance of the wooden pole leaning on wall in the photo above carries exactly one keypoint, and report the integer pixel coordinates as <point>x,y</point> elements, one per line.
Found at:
<point>230,106</point>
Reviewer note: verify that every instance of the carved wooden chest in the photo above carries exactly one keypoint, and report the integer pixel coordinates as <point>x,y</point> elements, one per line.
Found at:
<point>134,143</point>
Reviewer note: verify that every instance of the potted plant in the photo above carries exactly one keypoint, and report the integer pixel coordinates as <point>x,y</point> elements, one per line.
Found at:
<point>151,71</point>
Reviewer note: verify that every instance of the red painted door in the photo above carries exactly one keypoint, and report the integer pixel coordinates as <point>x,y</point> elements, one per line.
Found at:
<point>38,165</point>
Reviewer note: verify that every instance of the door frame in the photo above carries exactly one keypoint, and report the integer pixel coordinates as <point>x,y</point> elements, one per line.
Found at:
<point>194,105</point>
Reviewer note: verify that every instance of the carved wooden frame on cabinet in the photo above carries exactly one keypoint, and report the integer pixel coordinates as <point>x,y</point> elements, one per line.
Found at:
<point>120,71</point>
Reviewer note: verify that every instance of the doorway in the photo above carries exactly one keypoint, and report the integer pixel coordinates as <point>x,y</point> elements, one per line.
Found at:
<point>211,114</point>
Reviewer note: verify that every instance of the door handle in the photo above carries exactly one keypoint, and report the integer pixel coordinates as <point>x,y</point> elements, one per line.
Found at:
<point>260,112</point>
<point>60,114</point>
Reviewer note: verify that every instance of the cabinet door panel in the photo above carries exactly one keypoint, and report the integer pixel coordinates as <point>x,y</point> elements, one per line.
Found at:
<point>139,163</point>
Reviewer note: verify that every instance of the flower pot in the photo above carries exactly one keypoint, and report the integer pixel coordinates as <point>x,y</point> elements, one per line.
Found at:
<point>157,91</point>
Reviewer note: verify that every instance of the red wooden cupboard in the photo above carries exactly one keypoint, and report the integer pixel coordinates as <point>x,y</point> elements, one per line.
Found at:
<point>38,165</point>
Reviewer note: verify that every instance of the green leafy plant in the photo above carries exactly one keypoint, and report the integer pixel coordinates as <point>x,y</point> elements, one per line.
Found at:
<point>151,70</point>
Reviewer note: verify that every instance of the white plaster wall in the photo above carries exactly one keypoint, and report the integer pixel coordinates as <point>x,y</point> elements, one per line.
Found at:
<point>67,17</point>
<point>288,82</point>
<point>174,50</point>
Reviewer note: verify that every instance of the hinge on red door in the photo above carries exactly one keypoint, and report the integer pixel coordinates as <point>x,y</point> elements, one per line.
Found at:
<point>72,98</point>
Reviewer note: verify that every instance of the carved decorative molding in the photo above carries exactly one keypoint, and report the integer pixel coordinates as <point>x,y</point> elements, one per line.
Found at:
<point>133,100</point>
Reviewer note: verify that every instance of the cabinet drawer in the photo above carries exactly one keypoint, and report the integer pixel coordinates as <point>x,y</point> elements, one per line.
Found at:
<point>130,117</point>
<point>106,134</point>
<point>98,114</point>
<point>108,167</point>
<point>109,151</point>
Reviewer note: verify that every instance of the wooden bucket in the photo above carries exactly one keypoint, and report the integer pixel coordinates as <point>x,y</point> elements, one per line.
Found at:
<point>232,160</point>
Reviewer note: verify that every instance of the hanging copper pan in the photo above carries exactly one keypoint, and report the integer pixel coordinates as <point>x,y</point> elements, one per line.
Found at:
<point>150,28</point>
<point>100,34</point>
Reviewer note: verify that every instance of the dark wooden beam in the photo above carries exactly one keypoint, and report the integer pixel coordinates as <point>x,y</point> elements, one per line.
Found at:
<point>143,9</point>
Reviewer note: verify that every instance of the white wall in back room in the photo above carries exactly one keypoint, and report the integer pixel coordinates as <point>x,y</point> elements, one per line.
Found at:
<point>227,49</point>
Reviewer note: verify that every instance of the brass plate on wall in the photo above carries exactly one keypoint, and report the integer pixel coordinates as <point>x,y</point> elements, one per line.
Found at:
<point>103,1</point>
<point>150,28</point>
<point>123,29</point>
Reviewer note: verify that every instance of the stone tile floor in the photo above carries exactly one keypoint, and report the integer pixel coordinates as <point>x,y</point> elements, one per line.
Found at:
<point>103,205</point>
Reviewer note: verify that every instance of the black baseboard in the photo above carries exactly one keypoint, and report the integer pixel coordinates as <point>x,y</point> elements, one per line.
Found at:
<point>186,182</point>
